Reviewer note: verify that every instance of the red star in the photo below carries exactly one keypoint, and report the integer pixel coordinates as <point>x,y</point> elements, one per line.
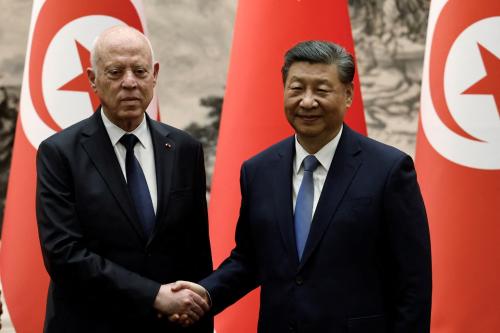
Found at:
<point>490,83</point>
<point>81,82</point>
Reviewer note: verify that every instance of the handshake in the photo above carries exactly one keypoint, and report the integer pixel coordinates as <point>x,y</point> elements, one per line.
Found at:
<point>183,302</point>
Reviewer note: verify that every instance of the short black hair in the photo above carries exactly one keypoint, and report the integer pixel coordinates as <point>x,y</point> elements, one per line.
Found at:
<point>320,52</point>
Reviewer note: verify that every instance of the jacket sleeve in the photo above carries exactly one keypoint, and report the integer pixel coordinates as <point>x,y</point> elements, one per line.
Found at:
<point>203,256</point>
<point>409,254</point>
<point>67,259</point>
<point>237,275</point>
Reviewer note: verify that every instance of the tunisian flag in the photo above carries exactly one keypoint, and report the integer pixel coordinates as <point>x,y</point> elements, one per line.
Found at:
<point>253,116</point>
<point>55,94</point>
<point>458,162</point>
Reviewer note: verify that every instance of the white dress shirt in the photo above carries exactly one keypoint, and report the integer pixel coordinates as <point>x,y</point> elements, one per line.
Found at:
<point>143,151</point>
<point>324,156</point>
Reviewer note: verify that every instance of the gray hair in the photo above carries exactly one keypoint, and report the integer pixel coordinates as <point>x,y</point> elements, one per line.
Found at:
<point>321,52</point>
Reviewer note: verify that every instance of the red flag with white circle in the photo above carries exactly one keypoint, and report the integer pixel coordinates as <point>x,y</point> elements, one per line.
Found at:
<point>458,162</point>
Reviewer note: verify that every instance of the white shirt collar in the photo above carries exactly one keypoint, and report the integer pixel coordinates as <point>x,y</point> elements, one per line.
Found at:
<point>324,155</point>
<point>115,133</point>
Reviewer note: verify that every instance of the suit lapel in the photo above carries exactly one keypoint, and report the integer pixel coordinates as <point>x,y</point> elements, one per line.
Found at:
<point>164,151</point>
<point>98,146</point>
<point>345,164</point>
<point>282,193</point>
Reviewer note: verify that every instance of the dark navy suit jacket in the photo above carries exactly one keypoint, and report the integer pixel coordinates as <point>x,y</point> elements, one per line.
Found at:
<point>366,266</point>
<point>104,272</point>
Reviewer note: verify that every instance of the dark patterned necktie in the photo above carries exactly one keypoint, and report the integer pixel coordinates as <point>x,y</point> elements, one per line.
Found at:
<point>137,185</point>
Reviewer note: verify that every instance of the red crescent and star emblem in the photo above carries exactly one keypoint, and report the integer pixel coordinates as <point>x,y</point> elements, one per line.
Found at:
<point>457,16</point>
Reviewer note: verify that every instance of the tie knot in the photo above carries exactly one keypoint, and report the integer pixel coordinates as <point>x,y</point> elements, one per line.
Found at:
<point>310,163</point>
<point>129,141</point>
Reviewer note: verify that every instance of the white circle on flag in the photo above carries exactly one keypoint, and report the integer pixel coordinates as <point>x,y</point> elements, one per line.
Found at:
<point>475,114</point>
<point>62,64</point>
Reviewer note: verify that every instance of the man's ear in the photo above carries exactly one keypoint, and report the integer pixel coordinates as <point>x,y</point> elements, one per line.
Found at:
<point>91,76</point>
<point>156,69</point>
<point>349,94</point>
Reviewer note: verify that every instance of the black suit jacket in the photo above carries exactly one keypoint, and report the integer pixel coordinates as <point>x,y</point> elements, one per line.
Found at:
<point>366,265</point>
<point>105,273</point>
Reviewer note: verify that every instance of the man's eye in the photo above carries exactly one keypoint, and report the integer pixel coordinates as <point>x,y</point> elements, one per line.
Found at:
<point>114,72</point>
<point>321,90</point>
<point>140,72</point>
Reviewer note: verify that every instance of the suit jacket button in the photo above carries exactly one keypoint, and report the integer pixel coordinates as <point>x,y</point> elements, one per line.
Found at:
<point>299,281</point>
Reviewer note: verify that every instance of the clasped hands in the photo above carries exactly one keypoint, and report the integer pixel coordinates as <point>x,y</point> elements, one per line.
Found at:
<point>182,301</point>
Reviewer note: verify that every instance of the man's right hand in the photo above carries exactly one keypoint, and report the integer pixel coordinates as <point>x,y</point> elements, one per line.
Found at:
<point>183,318</point>
<point>182,305</point>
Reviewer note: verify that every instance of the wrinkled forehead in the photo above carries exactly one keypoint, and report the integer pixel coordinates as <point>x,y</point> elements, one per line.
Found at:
<point>122,42</point>
<point>125,57</point>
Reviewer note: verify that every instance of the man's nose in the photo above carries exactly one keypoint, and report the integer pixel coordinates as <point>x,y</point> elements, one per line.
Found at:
<point>308,101</point>
<point>129,80</point>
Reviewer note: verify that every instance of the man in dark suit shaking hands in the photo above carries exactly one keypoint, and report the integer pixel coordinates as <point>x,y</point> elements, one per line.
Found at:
<point>332,225</point>
<point>121,205</point>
